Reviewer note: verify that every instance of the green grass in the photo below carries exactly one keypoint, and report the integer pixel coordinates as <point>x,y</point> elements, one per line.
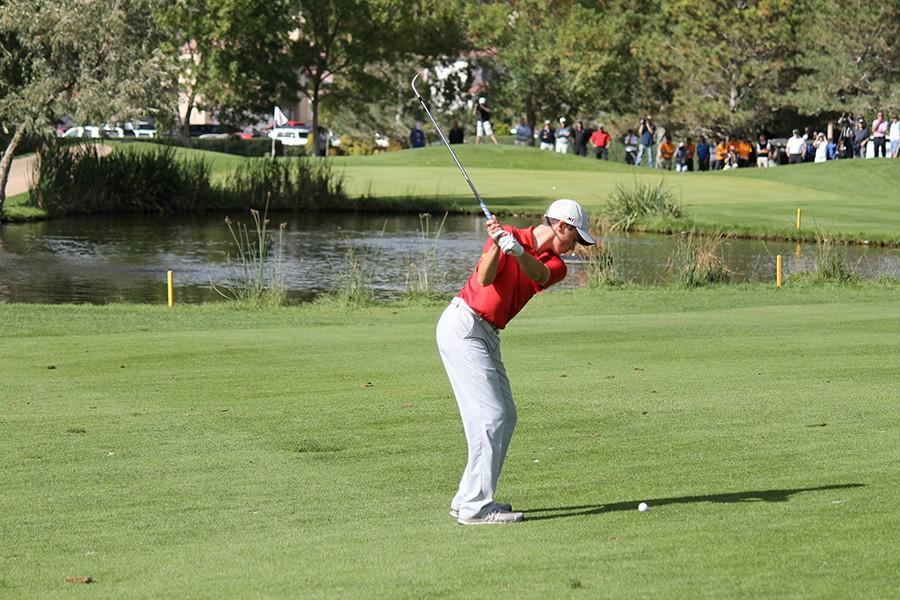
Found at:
<point>852,200</point>
<point>848,200</point>
<point>211,452</point>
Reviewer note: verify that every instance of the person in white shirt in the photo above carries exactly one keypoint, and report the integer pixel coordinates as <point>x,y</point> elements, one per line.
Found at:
<point>894,136</point>
<point>562,137</point>
<point>821,146</point>
<point>795,148</point>
<point>763,152</point>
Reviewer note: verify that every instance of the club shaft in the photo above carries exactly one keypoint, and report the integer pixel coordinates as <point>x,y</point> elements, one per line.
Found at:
<point>484,208</point>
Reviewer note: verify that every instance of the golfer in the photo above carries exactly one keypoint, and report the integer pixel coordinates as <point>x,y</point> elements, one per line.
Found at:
<point>483,121</point>
<point>514,266</point>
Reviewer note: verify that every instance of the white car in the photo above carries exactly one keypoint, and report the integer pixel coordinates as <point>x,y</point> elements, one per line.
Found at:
<point>290,136</point>
<point>143,129</point>
<point>88,131</point>
<point>109,131</point>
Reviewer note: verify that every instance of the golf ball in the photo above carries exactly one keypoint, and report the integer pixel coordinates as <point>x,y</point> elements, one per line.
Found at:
<point>643,507</point>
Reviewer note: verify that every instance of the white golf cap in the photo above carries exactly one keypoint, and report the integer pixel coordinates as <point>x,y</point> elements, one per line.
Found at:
<point>569,211</point>
<point>481,100</point>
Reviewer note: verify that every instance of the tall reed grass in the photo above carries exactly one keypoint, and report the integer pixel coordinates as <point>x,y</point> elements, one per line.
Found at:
<point>831,263</point>
<point>628,206</point>
<point>700,261</point>
<point>299,183</point>
<point>422,273</point>
<point>353,285</point>
<point>84,179</point>
<point>602,266</point>
<point>258,275</point>
<point>152,178</point>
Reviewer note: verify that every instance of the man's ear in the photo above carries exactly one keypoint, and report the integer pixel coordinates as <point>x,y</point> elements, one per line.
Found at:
<point>562,227</point>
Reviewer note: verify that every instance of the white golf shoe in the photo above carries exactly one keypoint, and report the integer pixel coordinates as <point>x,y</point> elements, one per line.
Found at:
<point>495,517</point>
<point>501,505</point>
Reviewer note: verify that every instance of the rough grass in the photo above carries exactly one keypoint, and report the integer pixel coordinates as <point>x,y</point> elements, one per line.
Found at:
<point>210,452</point>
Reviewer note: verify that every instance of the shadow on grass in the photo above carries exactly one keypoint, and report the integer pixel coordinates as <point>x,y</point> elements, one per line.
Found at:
<point>560,512</point>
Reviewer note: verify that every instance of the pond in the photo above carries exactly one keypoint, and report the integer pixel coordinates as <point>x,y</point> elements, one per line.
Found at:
<point>101,259</point>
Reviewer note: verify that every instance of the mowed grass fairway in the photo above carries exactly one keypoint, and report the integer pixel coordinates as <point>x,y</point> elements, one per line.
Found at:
<point>852,199</point>
<point>311,452</point>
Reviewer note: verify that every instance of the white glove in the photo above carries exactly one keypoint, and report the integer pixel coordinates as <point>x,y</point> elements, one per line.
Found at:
<point>510,245</point>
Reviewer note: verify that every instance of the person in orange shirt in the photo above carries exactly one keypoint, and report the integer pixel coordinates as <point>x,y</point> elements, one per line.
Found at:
<point>721,153</point>
<point>689,150</point>
<point>744,150</point>
<point>665,153</point>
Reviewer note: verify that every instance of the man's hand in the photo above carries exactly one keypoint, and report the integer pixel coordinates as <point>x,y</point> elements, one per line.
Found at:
<point>510,245</point>
<point>495,230</point>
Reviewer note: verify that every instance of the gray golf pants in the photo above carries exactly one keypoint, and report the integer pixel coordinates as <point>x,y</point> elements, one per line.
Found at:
<point>470,350</point>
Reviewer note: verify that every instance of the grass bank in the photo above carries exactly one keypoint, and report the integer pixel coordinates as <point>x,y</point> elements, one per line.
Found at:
<point>849,200</point>
<point>854,201</point>
<point>210,452</point>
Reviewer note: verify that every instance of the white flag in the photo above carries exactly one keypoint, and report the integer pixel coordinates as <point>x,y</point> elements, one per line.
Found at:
<point>280,119</point>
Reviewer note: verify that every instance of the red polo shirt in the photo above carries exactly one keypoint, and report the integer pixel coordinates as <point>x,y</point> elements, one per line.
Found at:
<point>600,139</point>
<point>512,289</point>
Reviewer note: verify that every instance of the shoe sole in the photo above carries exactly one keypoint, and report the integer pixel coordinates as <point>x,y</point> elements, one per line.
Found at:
<point>481,522</point>
<point>454,514</point>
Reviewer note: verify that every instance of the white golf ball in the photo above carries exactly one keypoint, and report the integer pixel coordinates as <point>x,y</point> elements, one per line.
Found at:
<point>643,507</point>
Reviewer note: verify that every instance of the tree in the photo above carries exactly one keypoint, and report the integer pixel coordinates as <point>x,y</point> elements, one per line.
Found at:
<point>724,64</point>
<point>334,40</point>
<point>233,60</point>
<point>426,34</point>
<point>855,58</point>
<point>93,60</point>
<point>350,49</point>
<point>553,57</point>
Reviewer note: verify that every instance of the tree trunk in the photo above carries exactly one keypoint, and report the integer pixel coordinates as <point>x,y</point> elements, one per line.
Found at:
<point>184,132</point>
<point>531,117</point>
<point>315,121</point>
<point>401,91</point>
<point>6,165</point>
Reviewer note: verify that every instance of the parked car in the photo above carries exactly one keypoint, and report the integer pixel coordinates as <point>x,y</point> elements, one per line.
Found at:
<point>200,130</point>
<point>290,136</point>
<point>115,132</point>
<point>144,129</point>
<point>79,131</point>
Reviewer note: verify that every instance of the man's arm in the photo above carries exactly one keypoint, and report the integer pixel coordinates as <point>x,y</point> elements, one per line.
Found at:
<point>534,269</point>
<point>487,267</point>
<point>505,241</point>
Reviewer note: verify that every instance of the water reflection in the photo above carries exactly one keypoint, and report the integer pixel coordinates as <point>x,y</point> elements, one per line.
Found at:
<point>101,259</point>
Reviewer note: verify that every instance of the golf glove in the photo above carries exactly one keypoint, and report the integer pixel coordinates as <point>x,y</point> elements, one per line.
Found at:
<point>510,245</point>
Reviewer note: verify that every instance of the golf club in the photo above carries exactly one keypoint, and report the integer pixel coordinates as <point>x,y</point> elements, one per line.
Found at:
<point>484,208</point>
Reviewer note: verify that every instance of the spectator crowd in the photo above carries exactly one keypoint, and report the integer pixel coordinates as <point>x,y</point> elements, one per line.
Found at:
<point>648,144</point>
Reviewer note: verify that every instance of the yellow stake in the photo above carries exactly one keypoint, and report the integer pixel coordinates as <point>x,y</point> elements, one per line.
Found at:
<point>171,289</point>
<point>798,219</point>
<point>778,270</point>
